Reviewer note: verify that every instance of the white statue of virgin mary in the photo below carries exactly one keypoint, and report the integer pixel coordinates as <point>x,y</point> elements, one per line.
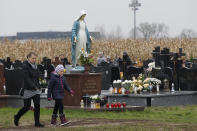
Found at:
<point>80,38</point>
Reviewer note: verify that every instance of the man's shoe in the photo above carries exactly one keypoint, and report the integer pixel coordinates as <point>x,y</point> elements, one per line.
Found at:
<point>39,125</point>
<point>15,120</point>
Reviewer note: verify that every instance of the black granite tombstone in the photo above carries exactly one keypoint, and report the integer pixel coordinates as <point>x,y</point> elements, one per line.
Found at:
<point>8,63</point>
<point>106,76</point>
<point>115,73</point>
<point>104,63</point>
<point>13,81</point>
<point>65,62</point>
<point>50,69</point>
<point>44,62</point>
<point>146,62</point>
<point>133,71</point>
<point>188,79</point>
<point>165,57</point>
<point>189,64</point>
<point>18,64</point>
<point>2,61</point>
<point>156,56</point>
<point>41,69</point>
<point>123,65</point>
<point>1,78</point>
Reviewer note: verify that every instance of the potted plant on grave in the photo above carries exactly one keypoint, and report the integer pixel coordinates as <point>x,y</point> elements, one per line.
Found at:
<point>86,59</point>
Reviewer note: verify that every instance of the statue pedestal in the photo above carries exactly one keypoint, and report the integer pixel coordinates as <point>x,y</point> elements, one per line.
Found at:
<point>81,84</point>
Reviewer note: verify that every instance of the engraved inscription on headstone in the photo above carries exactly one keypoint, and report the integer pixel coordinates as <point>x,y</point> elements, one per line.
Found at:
<point>89,86</point>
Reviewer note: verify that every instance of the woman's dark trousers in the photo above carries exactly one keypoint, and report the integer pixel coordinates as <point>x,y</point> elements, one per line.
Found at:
<point>27,105</point>
<point>58,106</point>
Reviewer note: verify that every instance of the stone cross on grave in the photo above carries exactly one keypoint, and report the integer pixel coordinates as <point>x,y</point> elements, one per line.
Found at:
<point>156,56</point>
<point>181,53</point>
<point>165,57</point>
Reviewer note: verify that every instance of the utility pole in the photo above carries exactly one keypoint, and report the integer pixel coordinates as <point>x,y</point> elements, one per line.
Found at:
<point>134,6</point>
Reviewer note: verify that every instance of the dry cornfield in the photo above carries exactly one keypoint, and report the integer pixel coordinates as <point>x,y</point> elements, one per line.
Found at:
<point>137,49</point>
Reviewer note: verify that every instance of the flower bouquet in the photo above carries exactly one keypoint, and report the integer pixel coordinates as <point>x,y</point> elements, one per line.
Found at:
<point>95,98</point>
<point>137,84</point>
<point>117,83</point>
<point>117,86</point>
<point>43,83</point>
<point>150,83</point>
<point>85,58</point>
<point>127,85</point>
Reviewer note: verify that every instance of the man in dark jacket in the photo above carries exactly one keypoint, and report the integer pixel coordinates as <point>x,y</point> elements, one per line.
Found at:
<point>31,89</point>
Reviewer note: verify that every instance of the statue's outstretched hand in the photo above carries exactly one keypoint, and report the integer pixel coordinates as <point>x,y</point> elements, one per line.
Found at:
<point>75,39</point>
<point>91,38</point>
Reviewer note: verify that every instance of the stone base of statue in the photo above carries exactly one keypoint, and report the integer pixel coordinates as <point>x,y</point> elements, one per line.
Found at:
<point>82,84</point>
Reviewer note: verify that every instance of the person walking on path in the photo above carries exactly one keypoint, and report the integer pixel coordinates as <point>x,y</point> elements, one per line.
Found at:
<point>56,88</point>
<point>31,90</point>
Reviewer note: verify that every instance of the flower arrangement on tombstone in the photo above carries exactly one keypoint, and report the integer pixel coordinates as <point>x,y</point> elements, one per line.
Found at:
<point>151,83</point>
<point>137,84</point>
<point>126,85</point>
<point>43,84</point>
<point>86,60</point>
<point>148,71</point>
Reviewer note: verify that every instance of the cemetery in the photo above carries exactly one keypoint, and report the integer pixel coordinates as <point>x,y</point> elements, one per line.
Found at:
<point>98,69</point>
<point>111,87</point>
<point>124,81</point>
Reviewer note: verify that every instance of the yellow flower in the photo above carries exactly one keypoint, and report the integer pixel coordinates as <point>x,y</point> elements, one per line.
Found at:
<point>146,85</point>
<point>82,49</point>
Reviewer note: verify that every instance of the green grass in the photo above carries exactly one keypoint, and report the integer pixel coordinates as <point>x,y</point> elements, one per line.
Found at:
<point>125,127</point>
<point>177,114</point>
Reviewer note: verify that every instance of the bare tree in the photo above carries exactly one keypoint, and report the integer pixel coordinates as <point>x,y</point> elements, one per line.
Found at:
<point>138,33</point>
<point>111,35</point>
<point>115,34</point>
<point>154,30</point>
<point>118,34</point>
<point>188,33</point>
<point>101,29</point>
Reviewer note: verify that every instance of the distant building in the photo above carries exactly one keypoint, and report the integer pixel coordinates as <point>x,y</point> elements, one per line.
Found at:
<point>7,38</point>
<point>45,35</point>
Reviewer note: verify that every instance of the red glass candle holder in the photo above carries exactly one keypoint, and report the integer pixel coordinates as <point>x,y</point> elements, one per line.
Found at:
<point>119,105</point>
<point>112,105</point>
<point>116,105</point>
<point>124,104</point>
<point>107,105</point>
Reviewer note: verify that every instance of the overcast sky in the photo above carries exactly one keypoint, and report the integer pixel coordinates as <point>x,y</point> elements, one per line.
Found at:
<point>59,15</point>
